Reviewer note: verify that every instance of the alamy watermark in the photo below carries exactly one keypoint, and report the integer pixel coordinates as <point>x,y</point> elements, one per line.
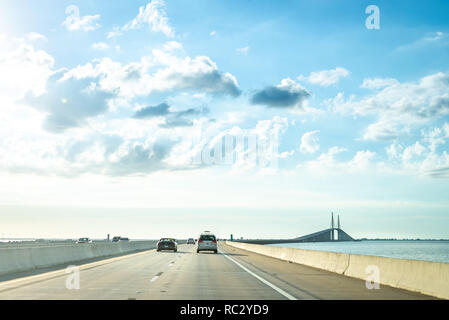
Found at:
<point>244,147</point>
<point>373,280</point>
<point>73,280</point>
<point>373,20</point>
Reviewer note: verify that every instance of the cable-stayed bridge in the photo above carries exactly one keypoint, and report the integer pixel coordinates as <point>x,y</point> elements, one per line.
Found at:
<point>334,233</point>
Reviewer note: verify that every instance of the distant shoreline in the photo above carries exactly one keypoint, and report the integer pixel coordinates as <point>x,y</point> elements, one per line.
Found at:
<point>366,239</point>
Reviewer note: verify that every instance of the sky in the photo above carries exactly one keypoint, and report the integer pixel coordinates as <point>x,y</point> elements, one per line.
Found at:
<point>253,118</point>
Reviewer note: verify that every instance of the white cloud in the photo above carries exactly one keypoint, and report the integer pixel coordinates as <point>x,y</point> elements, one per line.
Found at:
<point>422,157</point>
<point>413,151</point>
<point>153,15</point>
<point>362,159</point>
<point>339,103</point>
<point>436,136</point>
<point>172,46</point>
<point>268,133</point>
<point>271,129</point>
<point>100,46</point>
<point>258,153</point>
<point>83,153</point>
<point>243,50</point>
<point>445,130</point>
<point>378,83</point>
<point>213,33</point>
<point>326,78</point>
<point>382,131</point>
<point>399,106</point>
<point>326,162</point>
<point>420,101</point>
<point>286,154</point>
<point>22,68</point>
<point>327,159</point>
<point>310,142</point>
<point>75,22</point>
<point>68,102</point>
<point>161,72</point>
<point>33,36</point>
<point>434,38</point>
<point>420,160</point>
<point>394,151</point>
<point>116,32</point>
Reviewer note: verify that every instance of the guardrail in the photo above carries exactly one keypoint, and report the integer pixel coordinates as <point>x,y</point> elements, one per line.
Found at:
<point>49,243</point>
<point>20,259</point>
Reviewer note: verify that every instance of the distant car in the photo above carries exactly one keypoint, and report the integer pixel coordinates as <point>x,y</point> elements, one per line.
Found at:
<point>190,241</point>
<point>84,240</point>
<point>116,239</point>
<point>124,239</point>
<point>207,242</point>
<point>167,244</point>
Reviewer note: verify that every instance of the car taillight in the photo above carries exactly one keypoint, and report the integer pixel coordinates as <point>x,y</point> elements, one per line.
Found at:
<point>200,241</point>
<point>214,241</point>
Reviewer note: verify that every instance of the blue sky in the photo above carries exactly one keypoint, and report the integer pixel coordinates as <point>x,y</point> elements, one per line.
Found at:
<point>102,104</point>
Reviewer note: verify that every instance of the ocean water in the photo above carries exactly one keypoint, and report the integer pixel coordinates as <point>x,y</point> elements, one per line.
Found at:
<point>437,251</point>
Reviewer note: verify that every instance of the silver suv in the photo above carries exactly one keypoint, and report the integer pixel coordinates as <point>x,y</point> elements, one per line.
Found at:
<point>207,242</point>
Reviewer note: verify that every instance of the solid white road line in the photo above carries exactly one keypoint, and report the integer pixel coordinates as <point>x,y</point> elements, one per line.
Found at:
<point>285,294</point>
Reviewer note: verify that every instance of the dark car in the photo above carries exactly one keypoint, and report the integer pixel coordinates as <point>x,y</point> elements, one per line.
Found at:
<point>116,239</point>
<point>190,241</point>
<point>167,244</point>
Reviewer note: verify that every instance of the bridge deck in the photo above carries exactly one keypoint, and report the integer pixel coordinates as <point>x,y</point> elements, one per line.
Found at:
<point>188,275</point>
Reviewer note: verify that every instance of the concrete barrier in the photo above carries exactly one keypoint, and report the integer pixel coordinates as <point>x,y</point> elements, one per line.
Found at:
<point>14,260</point>
<point>330,261</point>
<point>431,278</point>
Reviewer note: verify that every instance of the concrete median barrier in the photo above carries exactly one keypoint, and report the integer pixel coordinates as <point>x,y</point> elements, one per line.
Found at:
<point>15,260</point>
<point>331,261</point>
<point>426,277</point>
<point>431,278</point>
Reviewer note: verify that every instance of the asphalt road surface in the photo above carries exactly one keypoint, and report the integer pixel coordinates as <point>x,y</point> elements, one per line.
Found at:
<point>232,274</point>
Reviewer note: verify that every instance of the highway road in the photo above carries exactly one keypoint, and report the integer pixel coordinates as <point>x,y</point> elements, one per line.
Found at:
<point>232,274</point>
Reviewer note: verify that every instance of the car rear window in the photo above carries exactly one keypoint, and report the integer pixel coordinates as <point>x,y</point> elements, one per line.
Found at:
<point>207,238</point>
